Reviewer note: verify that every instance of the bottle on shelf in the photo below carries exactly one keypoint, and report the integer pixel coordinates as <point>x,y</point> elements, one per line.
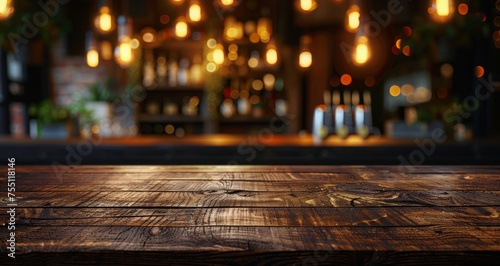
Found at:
<point>161,71</point>
<point>342,117</point>
<point>153,107</point>
<point>281,107</point>
<point>172,72</point>
<point>243,102</point>
<point>196,71</point>
<point>149,74</point>
<point>190,105</point>
<point>319,129</point>
<point>328,117</point>
<point>182,73</point>
<point>227,107</point>
<point>170,108</point>
<point>363,117</point>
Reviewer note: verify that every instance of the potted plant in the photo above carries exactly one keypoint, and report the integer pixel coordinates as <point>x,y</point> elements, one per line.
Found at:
<point>84,117</point>
<point>100,103</point>
<point>50,121</point>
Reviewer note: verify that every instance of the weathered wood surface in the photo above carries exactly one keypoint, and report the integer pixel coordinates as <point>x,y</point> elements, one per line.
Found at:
<point>256,215</point>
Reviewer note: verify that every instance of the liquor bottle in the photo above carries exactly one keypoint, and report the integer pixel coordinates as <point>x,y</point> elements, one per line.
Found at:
<point>149,75</point>
<point>196,71</point>
<point>328,117</point>
<point>172,72</point>
<point>161,71</point>
<point>182,73</point>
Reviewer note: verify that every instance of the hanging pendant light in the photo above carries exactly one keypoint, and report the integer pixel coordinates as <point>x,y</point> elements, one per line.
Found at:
<point>218,54</point>
<point>361,52</point>
<point>195,11</point>
<point>104,22</point>
<point>306,6</point>
<point>124,53</point>
<point>352,18</point>
<point>271,54</point>
<point>441,10</point>
<point>305,56</point>
<point>227,3</point>
<point>181,28</point>
<point>6,9</point>
<point>92,57</point>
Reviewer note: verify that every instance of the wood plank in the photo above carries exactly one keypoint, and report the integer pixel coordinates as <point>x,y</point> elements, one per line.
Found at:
<point>243,198</point>
<point>128,184</point>
<point>228,238</point>
<point>271,217</point>
<point>256,182</point>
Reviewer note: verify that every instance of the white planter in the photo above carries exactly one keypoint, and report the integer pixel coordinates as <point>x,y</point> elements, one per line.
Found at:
<point>102,112</point>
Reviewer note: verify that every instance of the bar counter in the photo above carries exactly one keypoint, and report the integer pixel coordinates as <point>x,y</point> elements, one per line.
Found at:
<point>255,215</point>
<point>245,150</point>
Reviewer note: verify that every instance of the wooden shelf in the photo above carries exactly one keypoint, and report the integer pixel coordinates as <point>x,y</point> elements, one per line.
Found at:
<point>176,89</point>
<point>245,119</point>
<point>161,118</point>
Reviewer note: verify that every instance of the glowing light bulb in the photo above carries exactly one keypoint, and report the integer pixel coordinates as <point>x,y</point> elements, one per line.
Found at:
<point>442,7</point>
<point>218,54</point>
<point>361,52</point>
<point>6,9</point>
<point>352,21</point>
<point>305,56</point>
<point>124,52</point>
<point>195,11</point>
<point>306,5</point>
<point>92,58</point>
<point>104,22</point>
<point>441,10</point>
<point>181,28</point>
<point>227,2</point>
<point>305,59</point>
<point>271,55</point>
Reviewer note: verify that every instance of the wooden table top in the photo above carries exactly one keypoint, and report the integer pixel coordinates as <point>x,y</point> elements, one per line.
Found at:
<point>254,215</point>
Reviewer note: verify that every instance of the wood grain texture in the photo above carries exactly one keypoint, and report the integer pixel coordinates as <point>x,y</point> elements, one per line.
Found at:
<point>243,238</point>
<point>247,198</point>
<point>256,215</point>
<point>271,217</point>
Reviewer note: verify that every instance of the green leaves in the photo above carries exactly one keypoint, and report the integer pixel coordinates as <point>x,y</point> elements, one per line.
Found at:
<point>47,112</point>
<point>101,92</point>
<point>25,13</point>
